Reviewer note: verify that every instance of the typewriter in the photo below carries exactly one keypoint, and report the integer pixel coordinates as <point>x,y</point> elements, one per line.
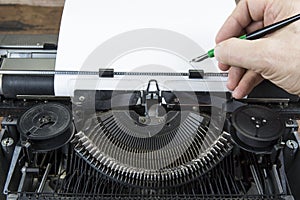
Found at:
<point>139,144</point>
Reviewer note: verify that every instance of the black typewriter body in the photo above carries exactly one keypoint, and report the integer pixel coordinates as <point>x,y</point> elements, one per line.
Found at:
<point>60,148</point>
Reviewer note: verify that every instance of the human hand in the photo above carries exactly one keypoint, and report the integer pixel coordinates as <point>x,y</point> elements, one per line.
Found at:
<point>275,57</point>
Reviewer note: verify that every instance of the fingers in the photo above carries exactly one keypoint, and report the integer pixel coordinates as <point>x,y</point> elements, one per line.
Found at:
<point>249,81</point>
<point>244,53</point>
<point>231,28</point>
<point>247,17</point>
<point>235,74</point>
<point>241,81</point>
<point>223,67</point>
<point>254,26</point>
<point>246,12</point>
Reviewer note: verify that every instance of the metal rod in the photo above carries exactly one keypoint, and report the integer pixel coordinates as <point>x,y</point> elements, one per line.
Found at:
<point>277,179</point>
<point>256,180</point>
<point>12,167</point>
<point>96,73</point>
<point>43,182</point>
<point>22,181</point>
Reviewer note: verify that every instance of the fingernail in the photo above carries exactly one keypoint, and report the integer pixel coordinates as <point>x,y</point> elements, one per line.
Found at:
<point>233,94</point>
<point>236,94</point>
<point>217,50</point>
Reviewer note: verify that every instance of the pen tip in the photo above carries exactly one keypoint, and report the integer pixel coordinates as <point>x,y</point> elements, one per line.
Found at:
<point>199,59</point>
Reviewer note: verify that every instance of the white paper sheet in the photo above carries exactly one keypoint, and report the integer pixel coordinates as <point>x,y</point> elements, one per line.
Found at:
<point>91,24</point>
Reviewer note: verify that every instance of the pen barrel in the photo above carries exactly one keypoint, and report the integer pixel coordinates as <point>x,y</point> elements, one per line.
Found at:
<point>271,28</point>
<point>211,53</point>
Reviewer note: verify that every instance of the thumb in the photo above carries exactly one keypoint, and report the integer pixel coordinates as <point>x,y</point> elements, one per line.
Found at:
<point>243,53</point>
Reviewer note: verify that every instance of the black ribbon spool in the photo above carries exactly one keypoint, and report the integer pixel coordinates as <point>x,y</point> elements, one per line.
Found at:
<point>46,126</point>
<point>256,128</point>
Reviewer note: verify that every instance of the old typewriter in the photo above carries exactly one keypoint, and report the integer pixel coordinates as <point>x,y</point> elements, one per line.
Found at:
<point>139,144</point>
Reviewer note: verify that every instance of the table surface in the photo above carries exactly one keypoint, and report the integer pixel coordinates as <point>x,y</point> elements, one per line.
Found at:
<point>23,19</point>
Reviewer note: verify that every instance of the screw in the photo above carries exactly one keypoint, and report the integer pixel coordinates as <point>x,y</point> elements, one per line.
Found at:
<point>176,100</point>
<point>6,142</point>
<point>195,108</point>
<point>81,98</point>
<point>161,120</point>
<point>142,120</point>
<point>9,118</point>
<point>292,144</point>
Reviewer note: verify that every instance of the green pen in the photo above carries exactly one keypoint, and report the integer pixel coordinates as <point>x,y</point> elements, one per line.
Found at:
<point>252,36</point>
